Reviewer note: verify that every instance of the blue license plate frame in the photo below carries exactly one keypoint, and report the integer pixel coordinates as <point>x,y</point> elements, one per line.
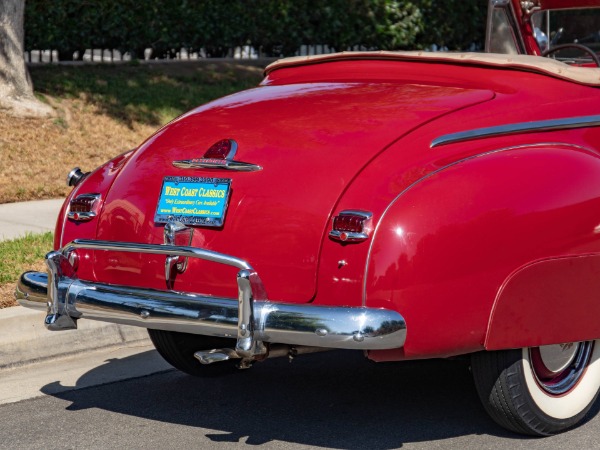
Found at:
<point>197,201</point>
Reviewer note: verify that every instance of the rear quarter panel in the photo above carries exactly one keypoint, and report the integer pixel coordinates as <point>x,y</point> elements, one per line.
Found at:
<point>446,246</point>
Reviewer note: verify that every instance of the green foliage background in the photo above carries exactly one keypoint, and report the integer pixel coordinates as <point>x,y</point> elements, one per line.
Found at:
<point>274,27</point>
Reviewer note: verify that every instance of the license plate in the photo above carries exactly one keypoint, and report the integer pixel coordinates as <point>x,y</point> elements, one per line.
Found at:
<point>193,201</point>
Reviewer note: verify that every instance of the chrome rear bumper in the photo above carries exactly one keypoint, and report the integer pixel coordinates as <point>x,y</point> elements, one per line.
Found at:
<point>251,318</point>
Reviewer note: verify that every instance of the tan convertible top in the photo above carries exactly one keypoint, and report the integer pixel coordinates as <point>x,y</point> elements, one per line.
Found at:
<point>583,75</point>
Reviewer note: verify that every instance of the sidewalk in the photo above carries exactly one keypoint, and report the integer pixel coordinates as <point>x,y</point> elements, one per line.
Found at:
<point>17,219</point>
<point>23,337</point>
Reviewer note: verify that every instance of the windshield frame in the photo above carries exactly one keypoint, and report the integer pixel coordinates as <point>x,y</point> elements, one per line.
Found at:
<point>519,15</point>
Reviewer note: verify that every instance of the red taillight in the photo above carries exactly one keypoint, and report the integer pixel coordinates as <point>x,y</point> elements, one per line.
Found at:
<point>224,149</point>
<point>84,207</point>
<point>351,226</point>
<point>348,222</point>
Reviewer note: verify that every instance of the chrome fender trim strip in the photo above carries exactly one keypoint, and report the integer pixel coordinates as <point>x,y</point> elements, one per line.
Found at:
<point>503,130</point>
<point>238,166</point>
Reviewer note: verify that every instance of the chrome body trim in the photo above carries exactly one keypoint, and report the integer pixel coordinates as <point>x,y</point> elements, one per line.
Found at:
<point>356,212</point>
<point>238,166</point>
<point>92,196</point>
<point>250,286</point>
<point>503,130</point>
<point>132,247</point>
<point>225,164</point>
<point>81,216</point>
<point>232,151</point>
<point>176,264</point>
<point>85,216</point>
<point>250,318</point>
<point>349,236</point>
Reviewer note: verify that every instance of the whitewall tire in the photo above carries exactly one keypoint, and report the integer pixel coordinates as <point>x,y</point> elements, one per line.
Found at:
<point>539,391</point>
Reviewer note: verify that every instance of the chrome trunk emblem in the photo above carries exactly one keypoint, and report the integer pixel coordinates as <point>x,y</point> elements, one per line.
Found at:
<point>219,156</point>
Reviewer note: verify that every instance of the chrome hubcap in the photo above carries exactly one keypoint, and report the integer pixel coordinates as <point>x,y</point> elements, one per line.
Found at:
<point>558,357</point>
<point>558,368</point>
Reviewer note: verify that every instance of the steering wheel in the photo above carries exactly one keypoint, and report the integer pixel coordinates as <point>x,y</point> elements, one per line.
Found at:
<point>583,48</point>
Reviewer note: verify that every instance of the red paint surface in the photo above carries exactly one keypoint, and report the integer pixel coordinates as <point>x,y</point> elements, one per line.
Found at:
<point>446,246</point>
<point>310,138</point>
<point>547,302</point>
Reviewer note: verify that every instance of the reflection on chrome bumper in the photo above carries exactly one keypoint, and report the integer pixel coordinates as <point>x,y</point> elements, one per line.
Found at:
<point>248,319</point>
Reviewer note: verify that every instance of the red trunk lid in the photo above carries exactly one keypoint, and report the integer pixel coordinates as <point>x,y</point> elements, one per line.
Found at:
<point>311,140</point>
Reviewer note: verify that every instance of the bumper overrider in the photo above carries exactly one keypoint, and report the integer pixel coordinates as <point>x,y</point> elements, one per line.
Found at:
<point>251,319</point>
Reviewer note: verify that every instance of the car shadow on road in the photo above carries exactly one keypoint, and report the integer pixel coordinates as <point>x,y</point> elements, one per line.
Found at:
<point>335,399</point>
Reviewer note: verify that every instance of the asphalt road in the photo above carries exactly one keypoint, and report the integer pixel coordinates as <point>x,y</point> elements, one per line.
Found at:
<point>328,400</point>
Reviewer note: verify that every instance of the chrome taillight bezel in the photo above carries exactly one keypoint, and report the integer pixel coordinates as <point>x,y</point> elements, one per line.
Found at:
<point>359,231</point>
<point>84,207</point>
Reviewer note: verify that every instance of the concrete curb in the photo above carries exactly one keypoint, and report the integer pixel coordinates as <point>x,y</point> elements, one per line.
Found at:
<point>24,339</point>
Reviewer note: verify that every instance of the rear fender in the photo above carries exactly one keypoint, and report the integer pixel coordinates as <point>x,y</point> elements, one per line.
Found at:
<point>99,181</point>
<point>444,249</point>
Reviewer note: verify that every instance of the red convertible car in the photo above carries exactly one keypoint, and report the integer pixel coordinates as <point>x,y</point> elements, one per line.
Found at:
<point>405,204</point>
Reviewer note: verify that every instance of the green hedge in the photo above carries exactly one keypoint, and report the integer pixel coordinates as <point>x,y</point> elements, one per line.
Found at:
<point>274,27</point>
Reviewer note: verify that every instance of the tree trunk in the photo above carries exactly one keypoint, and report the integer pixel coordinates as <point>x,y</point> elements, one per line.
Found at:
<point>16,90</point>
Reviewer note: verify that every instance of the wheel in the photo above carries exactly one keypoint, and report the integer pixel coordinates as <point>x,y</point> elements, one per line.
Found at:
<point>539,391</point>
<point>178,350</point>
<point>583,48</point>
